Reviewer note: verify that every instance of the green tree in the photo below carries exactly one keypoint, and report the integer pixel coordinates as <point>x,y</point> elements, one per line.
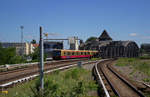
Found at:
<point>33,41</point>
<point>91,39</point>
<point>36,55</point>
<point>0,45</point>
<point>8,56</point>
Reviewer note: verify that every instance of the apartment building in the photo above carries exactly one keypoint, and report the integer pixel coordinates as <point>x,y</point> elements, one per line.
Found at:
<point>21,48</point>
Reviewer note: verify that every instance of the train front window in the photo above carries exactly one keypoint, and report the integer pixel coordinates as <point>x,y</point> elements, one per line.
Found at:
<point>56,53</point>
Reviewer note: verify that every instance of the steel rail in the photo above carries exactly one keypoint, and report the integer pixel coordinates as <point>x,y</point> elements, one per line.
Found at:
<point>125,81</point>
<point>34,64</point>
<point>147,85</point>
<point>34,72</point>
<point>30,64</point>
<point>109,82</point>
<point>101,81</point>
<point>48,71</point>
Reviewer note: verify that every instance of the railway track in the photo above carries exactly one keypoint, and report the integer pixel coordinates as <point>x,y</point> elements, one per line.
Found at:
<point>8,79</point>
<point>113,83</point>
<point>20,68</point>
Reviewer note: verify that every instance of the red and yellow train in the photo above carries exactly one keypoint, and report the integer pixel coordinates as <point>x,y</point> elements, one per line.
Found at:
<point>68,54</point>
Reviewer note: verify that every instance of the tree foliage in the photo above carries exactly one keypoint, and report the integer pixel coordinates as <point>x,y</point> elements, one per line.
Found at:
<point>8,56</point>
<point>145,48</point>
<point>33,41</point>
<point>91,39</point>
<point>0,45</point>
<point>36,55</point>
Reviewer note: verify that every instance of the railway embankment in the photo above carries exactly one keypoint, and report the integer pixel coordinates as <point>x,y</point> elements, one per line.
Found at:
<point>137,70</point>
<point>68,83</point>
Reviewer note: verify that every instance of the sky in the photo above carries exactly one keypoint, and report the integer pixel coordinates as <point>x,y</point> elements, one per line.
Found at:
<point>122,19</point>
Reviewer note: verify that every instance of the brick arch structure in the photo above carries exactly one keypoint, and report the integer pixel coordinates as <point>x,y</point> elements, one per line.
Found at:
<point>108,48</point>
<point>132,49</point>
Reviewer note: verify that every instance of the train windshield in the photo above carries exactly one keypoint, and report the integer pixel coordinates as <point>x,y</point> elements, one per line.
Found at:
<point>56,53</point>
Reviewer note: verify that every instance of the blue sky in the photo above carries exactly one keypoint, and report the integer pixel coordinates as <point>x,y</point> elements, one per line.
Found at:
<point>123,19</point>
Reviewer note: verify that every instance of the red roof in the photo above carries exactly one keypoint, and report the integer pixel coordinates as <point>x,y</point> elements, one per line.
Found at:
<point>35,45</point>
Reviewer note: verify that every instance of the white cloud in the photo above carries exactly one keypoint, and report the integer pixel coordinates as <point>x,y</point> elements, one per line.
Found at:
<point>145,37</point>
<point>133,34</point>
<point>28,37</point>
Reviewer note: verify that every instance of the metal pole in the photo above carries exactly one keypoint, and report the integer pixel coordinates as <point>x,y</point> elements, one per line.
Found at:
<point>41,61</point>
<point>22,27</point>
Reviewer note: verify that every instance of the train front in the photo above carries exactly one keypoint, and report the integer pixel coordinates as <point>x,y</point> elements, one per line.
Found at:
<point>56,54</point>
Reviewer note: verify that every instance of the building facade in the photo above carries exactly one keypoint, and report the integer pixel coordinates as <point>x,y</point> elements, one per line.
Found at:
<point>108,48</point>
<point>21,48</point>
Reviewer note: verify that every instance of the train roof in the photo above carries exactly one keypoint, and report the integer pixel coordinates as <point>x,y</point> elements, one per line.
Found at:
<point>77,50</point>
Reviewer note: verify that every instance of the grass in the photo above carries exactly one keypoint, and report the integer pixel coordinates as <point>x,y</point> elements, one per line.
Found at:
<point>146,80</point>
<point>142,65</point>
<point>94,59</point>
<point>75,82</point>
<point>145,57</point>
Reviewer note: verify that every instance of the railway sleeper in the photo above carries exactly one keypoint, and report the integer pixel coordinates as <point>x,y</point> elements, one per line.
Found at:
<point>125,81</point>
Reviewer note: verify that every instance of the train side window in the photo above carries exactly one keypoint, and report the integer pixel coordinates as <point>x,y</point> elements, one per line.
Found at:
<point>64,53</point>
<point>79,53</point>
<point>68,53</point>
<point>74,53</point>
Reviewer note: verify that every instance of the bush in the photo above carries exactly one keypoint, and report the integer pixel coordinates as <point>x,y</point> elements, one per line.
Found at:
<point>8,56</point>
<point>144,57</point>
<point>72,83</point>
